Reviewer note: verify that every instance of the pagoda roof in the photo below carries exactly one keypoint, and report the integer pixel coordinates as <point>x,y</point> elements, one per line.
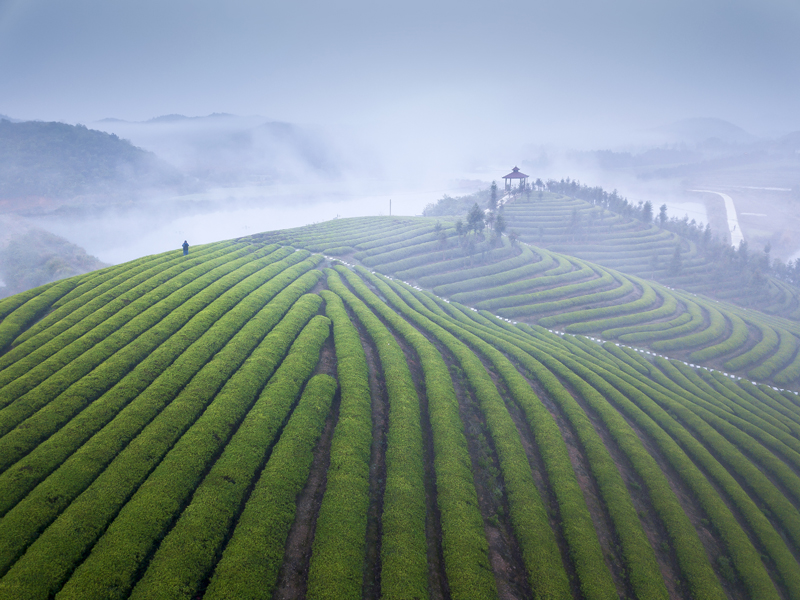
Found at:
<point>515,174</point>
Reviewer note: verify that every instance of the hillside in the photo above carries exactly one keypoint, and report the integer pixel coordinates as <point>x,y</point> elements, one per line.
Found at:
<point>232,150</point>
<point>594,225</point>
<point>258,421</point>
<point>57,160</point>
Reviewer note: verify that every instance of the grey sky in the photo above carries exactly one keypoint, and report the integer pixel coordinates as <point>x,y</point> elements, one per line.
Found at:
<point>575,70</point>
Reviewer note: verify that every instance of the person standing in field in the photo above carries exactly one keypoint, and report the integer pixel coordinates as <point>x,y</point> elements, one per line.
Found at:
<point>185,247</point>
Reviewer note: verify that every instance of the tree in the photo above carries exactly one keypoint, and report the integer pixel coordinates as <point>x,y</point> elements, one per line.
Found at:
<point>493,197</point>
<point>758,281</point>
<point>662,215</point>
<point>743,254</point>
<point>475,219</point>
<point>766,258</point>
<point>443,242</point>
<point>500,224</point>
<point>676,262</point>
<point>539,185</point>
<point>574,223</point>
<point>471,249</point>
<point>459,228</point>
<point>647,212</point>
<point>513,237</point>
<point>437,227</point>
<point>654,264</point>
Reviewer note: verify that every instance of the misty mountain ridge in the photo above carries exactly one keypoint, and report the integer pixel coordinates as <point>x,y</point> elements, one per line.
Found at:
<point>170,118</point>
<point>175,117</point>
<point>57,160</point>
<point>700,150</point>
<point>230,150</point>
<point>52,160</point>
<point>699,130</point>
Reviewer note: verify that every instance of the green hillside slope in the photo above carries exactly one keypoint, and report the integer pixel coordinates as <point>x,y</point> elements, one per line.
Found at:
<point>590,231</point>
<point>594,225</point>
<point>530,284</point>
<point>255,420</point>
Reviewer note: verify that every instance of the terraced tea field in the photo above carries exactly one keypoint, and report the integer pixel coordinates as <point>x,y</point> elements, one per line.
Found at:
<point>261,420</point>
<point>561,292</point>
<point>579,228</point>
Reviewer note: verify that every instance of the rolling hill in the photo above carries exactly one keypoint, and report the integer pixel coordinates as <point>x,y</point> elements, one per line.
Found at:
<point>388,408</point>
<point>591,224</point>
<point>57,160</point>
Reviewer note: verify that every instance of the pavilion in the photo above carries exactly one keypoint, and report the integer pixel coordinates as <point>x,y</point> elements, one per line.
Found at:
<point>516,174</point>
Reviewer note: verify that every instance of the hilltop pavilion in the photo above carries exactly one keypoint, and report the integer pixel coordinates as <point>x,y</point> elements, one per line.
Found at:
<point>516,174</point>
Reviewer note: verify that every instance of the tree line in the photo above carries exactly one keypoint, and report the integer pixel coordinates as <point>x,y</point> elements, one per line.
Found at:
<point>752,266</point>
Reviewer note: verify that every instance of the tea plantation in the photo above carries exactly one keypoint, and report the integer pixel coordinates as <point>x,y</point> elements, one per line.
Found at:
<point>385,408</point>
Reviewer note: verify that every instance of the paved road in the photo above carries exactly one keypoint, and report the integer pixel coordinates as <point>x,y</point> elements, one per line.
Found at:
<point>733,221</point>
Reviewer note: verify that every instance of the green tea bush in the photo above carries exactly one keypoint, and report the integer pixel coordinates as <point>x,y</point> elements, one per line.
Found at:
<point>258,542</point>
<point>99,478</point>
<point>339,549</point>
<point>187,554</point>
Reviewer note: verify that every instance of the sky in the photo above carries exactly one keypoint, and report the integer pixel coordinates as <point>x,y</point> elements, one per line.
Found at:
<point>483,74</point>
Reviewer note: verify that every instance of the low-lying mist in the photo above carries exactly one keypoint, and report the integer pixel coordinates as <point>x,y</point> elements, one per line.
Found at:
<point>249,174</point>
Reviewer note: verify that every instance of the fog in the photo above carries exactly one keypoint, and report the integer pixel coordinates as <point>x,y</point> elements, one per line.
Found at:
<point>315,110</point>
<point>162,223</point>
<point>574,72</point>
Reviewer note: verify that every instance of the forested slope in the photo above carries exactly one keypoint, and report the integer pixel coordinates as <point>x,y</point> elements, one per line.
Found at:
<point>56,160</point>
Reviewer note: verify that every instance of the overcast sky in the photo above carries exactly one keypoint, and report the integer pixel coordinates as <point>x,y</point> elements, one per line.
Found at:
<point>577,71</point>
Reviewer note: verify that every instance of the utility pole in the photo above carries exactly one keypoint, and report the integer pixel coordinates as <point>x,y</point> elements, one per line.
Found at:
<point>390,207</point>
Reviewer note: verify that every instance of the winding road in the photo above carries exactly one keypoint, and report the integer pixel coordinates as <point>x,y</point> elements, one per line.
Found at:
<point>733,222</point>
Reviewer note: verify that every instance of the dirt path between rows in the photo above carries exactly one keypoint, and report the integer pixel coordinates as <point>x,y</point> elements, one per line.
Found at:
<point>609,542</point>
<point>377,467</point>
<point>437,579</point>
<point>293,575</point>
<point>505,555</point>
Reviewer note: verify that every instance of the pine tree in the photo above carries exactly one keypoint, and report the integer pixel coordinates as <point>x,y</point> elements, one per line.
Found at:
<point>475,219</point>
<point>493,197</point>
<point>499,224</point>
<point>676,262</point>
<point>647,212</point>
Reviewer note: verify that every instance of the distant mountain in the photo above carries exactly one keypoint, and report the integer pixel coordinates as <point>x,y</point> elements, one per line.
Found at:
<point>174,118</point>
<point>7,118</point>
<point>790,141</point>
<point>701,130</point>
<point>701,150</point>
<point>290,146</point>
<point>57,160</point>
<point>226,149</point>
<point>171,118</point>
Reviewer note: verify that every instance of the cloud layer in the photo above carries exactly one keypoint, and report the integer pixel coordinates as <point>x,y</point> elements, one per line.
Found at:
<point>575,71</point>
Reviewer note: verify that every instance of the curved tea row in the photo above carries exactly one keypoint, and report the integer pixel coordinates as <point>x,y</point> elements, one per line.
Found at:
<point>529,283</point>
